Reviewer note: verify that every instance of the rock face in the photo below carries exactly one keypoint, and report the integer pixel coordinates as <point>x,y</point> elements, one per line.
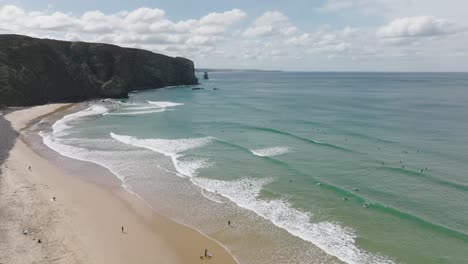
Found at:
<point>38,71</point>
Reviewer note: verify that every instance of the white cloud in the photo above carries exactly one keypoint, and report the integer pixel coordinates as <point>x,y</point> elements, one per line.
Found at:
<point>390,9</point>
<point>143,27</point>
<point>271,40</point>
<point>418,26</point>
<point>364,6</point>
<point>269,24</point>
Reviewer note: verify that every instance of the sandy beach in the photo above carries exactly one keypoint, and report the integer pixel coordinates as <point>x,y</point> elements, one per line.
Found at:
<point>83,224</point>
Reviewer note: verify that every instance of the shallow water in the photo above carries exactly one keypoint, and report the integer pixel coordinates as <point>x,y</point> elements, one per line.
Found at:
<point>292,158</point>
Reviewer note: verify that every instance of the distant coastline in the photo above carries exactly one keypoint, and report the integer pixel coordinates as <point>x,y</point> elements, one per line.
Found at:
<point>233,70</point>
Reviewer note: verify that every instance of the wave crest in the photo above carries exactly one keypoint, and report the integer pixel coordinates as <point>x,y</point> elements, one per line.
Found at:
<point>270,152</point>
<point>331,237</point>
<point>61,125</point>
<point>172,148</point>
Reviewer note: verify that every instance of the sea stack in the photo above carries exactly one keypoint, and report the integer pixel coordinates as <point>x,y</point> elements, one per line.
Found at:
<point>205,76</point>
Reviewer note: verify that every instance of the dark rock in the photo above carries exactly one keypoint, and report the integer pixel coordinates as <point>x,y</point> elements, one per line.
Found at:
<point>38,71</point>
<point>198,88</point>
<point>215,89</point>
<point>205,76</point>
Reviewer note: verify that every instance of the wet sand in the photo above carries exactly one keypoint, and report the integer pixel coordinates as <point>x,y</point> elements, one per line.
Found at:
<point>83,224</point>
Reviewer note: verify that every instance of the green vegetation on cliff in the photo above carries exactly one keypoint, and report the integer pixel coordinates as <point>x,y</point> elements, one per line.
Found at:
<point>37,71</point>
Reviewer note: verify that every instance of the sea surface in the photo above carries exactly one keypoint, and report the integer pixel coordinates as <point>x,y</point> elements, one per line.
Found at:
<point>308,167</point>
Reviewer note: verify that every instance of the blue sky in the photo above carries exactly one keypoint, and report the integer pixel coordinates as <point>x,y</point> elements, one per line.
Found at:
<point>314,35</point>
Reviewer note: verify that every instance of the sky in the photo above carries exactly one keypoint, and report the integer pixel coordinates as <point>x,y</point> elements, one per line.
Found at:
<point>292,35</point>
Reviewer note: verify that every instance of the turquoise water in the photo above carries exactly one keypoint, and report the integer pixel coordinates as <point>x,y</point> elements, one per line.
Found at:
<point>311,167</point>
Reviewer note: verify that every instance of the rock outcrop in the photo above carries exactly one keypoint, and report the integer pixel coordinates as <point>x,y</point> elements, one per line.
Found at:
<point>37,71</point>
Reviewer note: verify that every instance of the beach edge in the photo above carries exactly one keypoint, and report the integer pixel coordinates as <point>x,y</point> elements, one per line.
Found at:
<point>83,224</point>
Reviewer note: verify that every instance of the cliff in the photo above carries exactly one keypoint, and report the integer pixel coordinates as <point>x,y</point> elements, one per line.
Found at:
<point>37,71</point>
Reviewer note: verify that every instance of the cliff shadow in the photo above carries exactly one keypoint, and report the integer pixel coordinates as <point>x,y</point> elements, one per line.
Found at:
<point>7,139</point>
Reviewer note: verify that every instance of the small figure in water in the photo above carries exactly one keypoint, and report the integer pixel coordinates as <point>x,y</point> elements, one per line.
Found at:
<point>422,170</point>
<point>290,181</point>
<point>383,163</point>
<point>345,198</point>
<point>403,166</point>
<point>366,205</point>
<point>356,189</point>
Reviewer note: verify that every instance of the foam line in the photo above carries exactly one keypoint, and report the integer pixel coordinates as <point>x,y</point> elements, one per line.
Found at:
<point>331,237</point>
<point>270,152</point>
<point>172,148</point>
<point>63,124</point>
<point>138,112</point>
<point>164,104</point>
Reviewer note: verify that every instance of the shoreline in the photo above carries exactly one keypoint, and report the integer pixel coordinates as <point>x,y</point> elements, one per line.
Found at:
<point>83,224</point>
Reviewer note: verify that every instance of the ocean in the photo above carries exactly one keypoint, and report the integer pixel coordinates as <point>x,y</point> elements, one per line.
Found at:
<point>308,167</point>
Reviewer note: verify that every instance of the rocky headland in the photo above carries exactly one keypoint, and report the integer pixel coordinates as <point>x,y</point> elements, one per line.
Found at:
<point>37,71</point>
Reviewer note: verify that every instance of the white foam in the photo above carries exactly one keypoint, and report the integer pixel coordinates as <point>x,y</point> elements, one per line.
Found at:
<point>111,160</point>
<point>141,107</point>
<point>164,104</point>
<point>63,124</point>
<point>172,148</point>
<point>330,237</point>
<point>211,196</point>
<point>190,167</point>
<point>139,112</point>
<point>270,152</point>
<point>150,108</point>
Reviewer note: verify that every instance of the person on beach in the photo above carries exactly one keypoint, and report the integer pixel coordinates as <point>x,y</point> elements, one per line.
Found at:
<point>123,231</point>
<point>229,222</point>
<point>206,252</point>
<point>29,168</point>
